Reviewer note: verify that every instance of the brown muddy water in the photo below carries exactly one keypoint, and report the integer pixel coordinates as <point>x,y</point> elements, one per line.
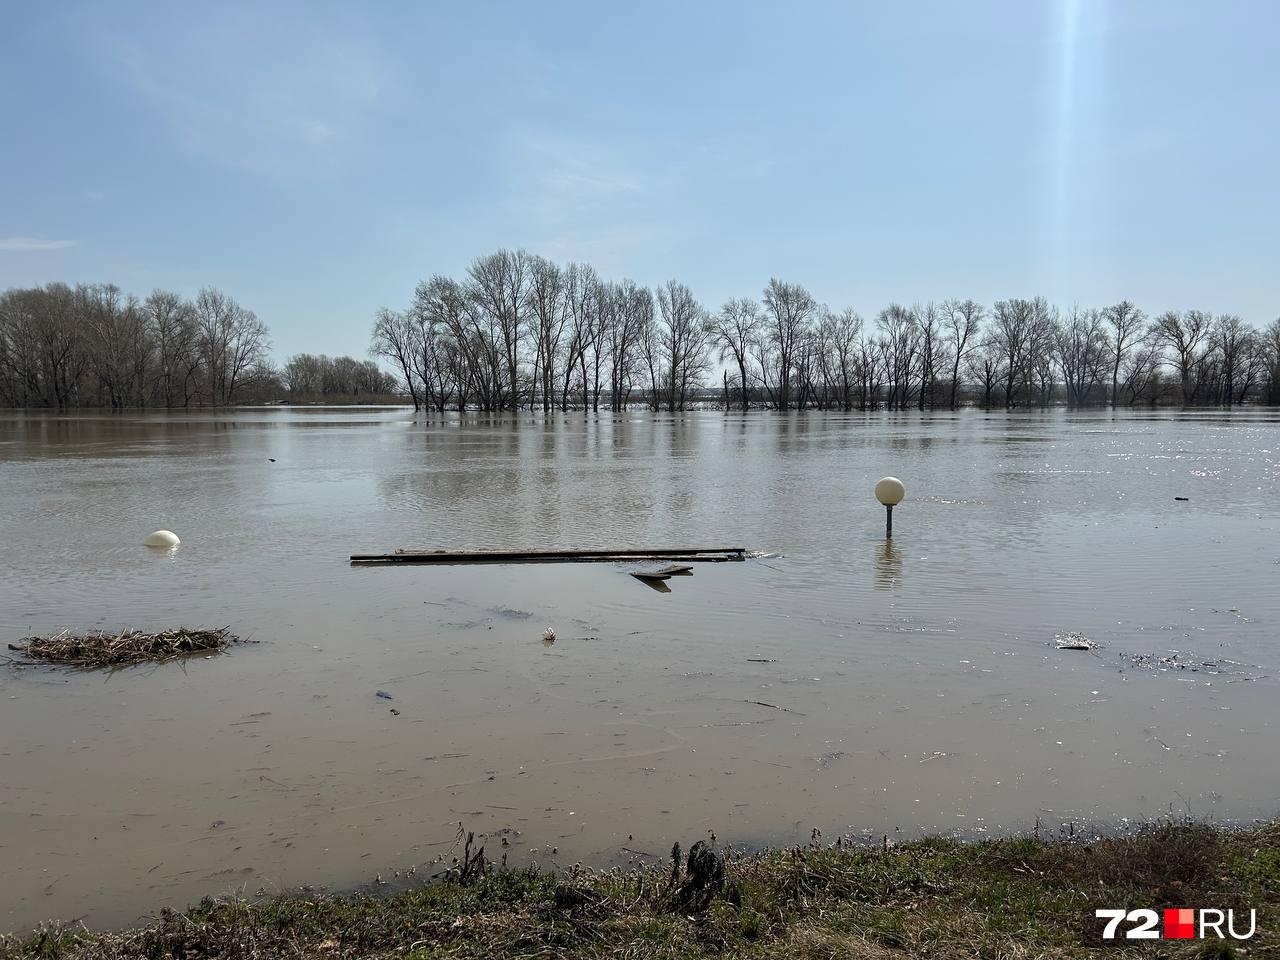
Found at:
<point>917,684</point>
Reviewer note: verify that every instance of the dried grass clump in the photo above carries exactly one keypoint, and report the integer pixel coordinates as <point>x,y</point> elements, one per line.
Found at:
<point>99,649</point>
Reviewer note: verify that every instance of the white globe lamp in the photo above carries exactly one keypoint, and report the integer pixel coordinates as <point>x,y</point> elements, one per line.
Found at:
<point>890,492</point>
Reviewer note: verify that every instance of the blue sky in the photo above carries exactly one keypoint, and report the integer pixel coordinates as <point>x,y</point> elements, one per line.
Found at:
<point>317,160</point>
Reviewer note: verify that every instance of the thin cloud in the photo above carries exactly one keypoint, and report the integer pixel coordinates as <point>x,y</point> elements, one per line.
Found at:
<point>570,198</point>
<point>255,90</point>
<point>28,244</point>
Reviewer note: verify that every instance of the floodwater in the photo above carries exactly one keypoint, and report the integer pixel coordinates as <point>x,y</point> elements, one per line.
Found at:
<point>845,684</point>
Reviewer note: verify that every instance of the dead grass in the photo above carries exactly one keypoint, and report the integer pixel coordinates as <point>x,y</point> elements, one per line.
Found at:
<point>943,899</point>
<point>100,649</point>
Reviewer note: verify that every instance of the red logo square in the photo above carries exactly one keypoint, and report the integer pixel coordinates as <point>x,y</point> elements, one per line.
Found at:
<point>1179,924</point>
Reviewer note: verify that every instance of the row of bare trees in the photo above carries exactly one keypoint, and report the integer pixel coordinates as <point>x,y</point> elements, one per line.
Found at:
<point>94,345</point>
<point>520,330</point>
<point>310,376</point>
<point>787,351</point>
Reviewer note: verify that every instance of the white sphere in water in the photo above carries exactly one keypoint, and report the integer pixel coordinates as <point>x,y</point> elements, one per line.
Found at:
<point>890,491</point>
<point>162,538</point>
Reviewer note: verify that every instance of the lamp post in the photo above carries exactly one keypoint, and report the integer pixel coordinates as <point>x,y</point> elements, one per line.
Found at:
<point>890,492</point>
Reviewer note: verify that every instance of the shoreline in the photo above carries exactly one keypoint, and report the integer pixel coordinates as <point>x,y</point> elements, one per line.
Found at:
<point>1007,897</point>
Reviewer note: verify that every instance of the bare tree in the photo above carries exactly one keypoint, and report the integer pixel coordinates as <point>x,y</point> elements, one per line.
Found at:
<point>929,324</point>
<point>788,310</point>
<point>231,340</point>
<point>498,290</point>
<point>684,342</point>
<point>900,346</point>
<point>171,322</point>
<point>1187,336</point>
<point>458,350</point>
<point>119,348</point>
<point>1126,323</point>
<point>603,316</point>
<point>651,357</point>
<point>963,320</point>
<point>1022,330</point>
<point>1141,370</point>
<point>732,331</point>
<point>634,312</point>
<point>1271,356</point>
<point>549,304</point>
<point>1081,346</point>
<point>580,291</point>
<point>43,352</point>
<point>844,341</point>
<point>395,339</point>
<point>1242,357</point>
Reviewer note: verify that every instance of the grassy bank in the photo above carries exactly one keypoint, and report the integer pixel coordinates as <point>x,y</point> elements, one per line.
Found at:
<point>1011,898</point>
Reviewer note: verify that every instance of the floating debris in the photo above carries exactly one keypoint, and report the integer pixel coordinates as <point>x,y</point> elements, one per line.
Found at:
<point>384,695</point>
<point>774,706</point>
<point>1074,641</point>
<point>100,649</point>
<point>1177,661</point>
<point>650,576</point>
<point>548,635</point>
<point>1174,661</point>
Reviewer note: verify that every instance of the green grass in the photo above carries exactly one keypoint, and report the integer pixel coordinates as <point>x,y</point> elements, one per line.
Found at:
<point>1000,899</point>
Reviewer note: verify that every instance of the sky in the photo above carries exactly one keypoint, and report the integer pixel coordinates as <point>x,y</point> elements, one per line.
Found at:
<point>317,160</point>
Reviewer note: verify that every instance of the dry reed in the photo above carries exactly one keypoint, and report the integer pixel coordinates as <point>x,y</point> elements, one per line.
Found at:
<point>100,649</point>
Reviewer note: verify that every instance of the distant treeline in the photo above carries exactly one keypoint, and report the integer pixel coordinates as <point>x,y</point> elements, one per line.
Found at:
<point>95,346</point>
<point>308,376</point>
<point>519,330</point>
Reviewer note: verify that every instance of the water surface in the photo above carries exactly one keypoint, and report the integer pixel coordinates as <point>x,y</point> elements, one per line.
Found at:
<point>846,684</point>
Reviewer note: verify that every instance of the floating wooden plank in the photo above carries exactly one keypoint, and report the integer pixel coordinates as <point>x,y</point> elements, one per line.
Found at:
<point>671,554</point>
<point>646,576</point>
<point>676,569</point>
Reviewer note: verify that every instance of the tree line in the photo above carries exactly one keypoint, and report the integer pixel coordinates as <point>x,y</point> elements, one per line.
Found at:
<point>521,331</point>
<point>93,345</point>
<point>309,376</point>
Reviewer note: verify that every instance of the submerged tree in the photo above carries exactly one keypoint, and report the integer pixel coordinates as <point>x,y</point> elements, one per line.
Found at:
<point>788,310</point>
<point>732,331</point>
<point>963,319</point>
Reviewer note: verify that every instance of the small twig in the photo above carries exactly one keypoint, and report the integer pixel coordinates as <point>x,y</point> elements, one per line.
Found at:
<point>774,706</point>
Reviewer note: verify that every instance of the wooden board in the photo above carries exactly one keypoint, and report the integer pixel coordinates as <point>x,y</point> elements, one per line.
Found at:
<point>683,554</point>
